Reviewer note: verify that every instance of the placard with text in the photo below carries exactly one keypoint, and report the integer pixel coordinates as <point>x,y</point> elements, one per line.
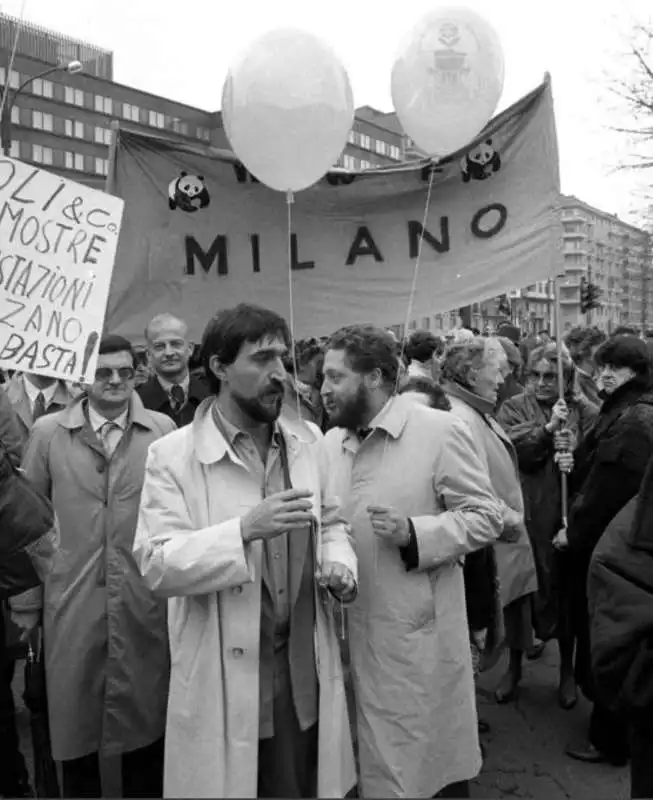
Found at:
<point>58,242</point>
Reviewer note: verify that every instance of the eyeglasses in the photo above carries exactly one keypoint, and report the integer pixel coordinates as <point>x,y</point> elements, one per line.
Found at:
<point>104,374</point>
<point>545,377</point>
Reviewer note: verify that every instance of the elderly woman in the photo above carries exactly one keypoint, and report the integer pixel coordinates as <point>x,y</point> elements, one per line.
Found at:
<point>545,430</point>
<point>472,373</point>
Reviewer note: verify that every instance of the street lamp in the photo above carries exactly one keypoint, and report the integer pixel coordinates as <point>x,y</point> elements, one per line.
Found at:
<point>72,68</point>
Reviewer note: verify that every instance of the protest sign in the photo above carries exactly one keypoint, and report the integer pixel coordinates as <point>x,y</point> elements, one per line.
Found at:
<point>200,234</point>
<point>58,243</point>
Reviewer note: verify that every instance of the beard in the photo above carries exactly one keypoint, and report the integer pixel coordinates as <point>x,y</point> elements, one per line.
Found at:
<point>264,408</point>
<point>351,413</point>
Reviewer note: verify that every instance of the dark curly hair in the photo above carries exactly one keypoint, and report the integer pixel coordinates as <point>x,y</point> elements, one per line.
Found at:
<point>422,345</point>
<point>581,342</point>
<point>231,328</point>
<point>435,393</point>
<point>627,351</point>
<point>368,348</point>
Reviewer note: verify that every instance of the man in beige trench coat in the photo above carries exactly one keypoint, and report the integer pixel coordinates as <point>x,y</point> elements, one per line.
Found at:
<point>235,522</point>
<point>418,499</point>
<point>106,648</point>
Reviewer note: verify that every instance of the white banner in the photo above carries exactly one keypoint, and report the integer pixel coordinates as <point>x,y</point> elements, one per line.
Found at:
<point>200,234</point>
<point>58,242</point>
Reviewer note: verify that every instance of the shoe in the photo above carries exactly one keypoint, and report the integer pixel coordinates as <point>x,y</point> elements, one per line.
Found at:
<point>567,693</point>
<point>508,689</point>
<point>590,755</point>
<point>536,650</point>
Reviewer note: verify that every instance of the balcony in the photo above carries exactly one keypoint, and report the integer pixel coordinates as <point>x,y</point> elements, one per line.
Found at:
<point>577,234</point>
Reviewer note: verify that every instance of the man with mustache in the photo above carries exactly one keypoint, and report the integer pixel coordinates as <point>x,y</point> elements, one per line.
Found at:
<point>235,524</point>
<point>418,499</point>
<point>171,390</point>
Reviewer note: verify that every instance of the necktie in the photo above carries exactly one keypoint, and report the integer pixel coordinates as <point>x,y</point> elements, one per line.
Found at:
<point>177,398</point>
<point>39,406</point>
<point>111,433</point>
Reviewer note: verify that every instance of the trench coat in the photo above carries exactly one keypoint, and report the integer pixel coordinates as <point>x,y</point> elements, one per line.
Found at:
<point>515,560</point>
<point>190,549</point>
<point>20,402</point>
<point>106,650</point>
<point>409,639</point>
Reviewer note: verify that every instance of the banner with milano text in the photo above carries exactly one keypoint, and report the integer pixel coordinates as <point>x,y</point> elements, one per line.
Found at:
<point>58,242</point>
<point>200,234</point>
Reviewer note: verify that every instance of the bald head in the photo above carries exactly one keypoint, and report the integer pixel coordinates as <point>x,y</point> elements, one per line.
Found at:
<point>168,347</point>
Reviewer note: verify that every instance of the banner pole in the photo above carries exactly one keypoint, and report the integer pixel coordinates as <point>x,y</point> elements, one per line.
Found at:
<point>564,486</point>
<point>110,183</point>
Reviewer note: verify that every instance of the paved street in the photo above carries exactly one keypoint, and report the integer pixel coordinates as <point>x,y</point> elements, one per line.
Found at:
<point>525,749</point>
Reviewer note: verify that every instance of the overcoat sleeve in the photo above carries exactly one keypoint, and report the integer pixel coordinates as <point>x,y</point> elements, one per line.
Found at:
<point>473,517</point>
<point>532,442</point>
<point>175,557</point>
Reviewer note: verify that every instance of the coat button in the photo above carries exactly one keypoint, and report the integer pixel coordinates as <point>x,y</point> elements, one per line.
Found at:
<point>238,590</point>
<point>101,468</point>
<point>238,652</point>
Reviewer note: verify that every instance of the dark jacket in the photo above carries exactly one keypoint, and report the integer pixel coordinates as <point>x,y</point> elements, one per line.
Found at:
<point>155,398</point>
<point>610,464</point>
<point>620,591</point>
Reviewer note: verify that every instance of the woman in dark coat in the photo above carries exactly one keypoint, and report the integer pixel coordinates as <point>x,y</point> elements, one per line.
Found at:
<point>610,465</point>
<point>540,427</point>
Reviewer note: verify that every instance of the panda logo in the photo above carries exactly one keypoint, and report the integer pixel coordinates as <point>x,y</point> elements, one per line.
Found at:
<point>188,192</point>
<point>481,163</point>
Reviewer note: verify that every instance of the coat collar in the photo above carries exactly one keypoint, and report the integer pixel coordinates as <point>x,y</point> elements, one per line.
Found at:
<point>74,417</point>
<point>16,391</point>
<point>478,403</point>
<point>391,418</point>
<point>210,445</point>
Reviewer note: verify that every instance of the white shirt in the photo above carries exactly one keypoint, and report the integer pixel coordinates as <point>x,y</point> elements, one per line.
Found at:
<point>98,422</point>
<point>33,392</point>
<point>418,370</point>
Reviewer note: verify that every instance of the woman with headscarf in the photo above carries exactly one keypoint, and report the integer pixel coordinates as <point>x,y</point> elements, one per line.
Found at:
<point>545,431</point>
<point>472,373</point>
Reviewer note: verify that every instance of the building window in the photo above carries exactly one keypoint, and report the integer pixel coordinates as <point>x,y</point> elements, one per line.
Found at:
<point>79,162</point>
<point>102,136</point>
<point>47,155</point>
<point>14,79</point>
<point>156,120</point>
<point>37,153</point>
<point>395,152</point>
<point>41,121</point>
<point>103,105</point>
<point>179,127</point>
<point>15,115</point>
<point>79,130</point>
<point>14,150</point>
<point>380,147</point>
<point>68,127</point>
<point>130,112</point>
<point>101,166</point>
<point>366,142</point>
<point>204,133</point>
<point>350,162</point>
<point>366,165</point>
<point>352,137</point>
<point>74,97</point>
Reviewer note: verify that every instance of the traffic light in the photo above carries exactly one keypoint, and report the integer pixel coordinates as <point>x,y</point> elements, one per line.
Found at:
<point>589,295</point>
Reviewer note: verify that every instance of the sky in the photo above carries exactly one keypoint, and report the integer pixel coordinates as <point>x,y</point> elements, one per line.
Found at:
<point>183,51</point>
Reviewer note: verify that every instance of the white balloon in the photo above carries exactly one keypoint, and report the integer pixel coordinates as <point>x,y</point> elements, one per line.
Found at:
<point>287,108</point>
<point>447,79</point>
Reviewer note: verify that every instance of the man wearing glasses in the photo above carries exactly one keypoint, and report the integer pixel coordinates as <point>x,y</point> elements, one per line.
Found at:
<point>105,634</point>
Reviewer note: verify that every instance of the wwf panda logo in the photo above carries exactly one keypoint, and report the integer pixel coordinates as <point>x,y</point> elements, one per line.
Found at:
<point>481,163</point>
<point>188,192</point>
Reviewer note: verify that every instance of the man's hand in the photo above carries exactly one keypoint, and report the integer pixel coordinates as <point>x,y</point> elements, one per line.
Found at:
<point>390,525</point>
<point>27,621</point>
<point>278,513</point>
<point>338,579</point>
<point>560,541</point>
<point>563,440</point>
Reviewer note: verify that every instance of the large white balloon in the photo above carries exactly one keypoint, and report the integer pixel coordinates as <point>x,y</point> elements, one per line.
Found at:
<point>287,108</point>
<point>447,79</point>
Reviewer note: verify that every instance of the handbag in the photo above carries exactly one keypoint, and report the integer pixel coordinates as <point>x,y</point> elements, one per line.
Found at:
<point>26,531</point>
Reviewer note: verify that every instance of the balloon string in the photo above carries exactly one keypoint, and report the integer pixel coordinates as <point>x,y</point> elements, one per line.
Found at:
<point>409,313</point>
<point>290,199</point>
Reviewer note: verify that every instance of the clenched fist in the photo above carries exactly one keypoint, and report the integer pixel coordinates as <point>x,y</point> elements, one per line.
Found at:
<point>390,525</point>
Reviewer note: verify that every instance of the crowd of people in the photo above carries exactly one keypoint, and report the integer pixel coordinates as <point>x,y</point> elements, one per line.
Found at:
<point>278,567</point>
